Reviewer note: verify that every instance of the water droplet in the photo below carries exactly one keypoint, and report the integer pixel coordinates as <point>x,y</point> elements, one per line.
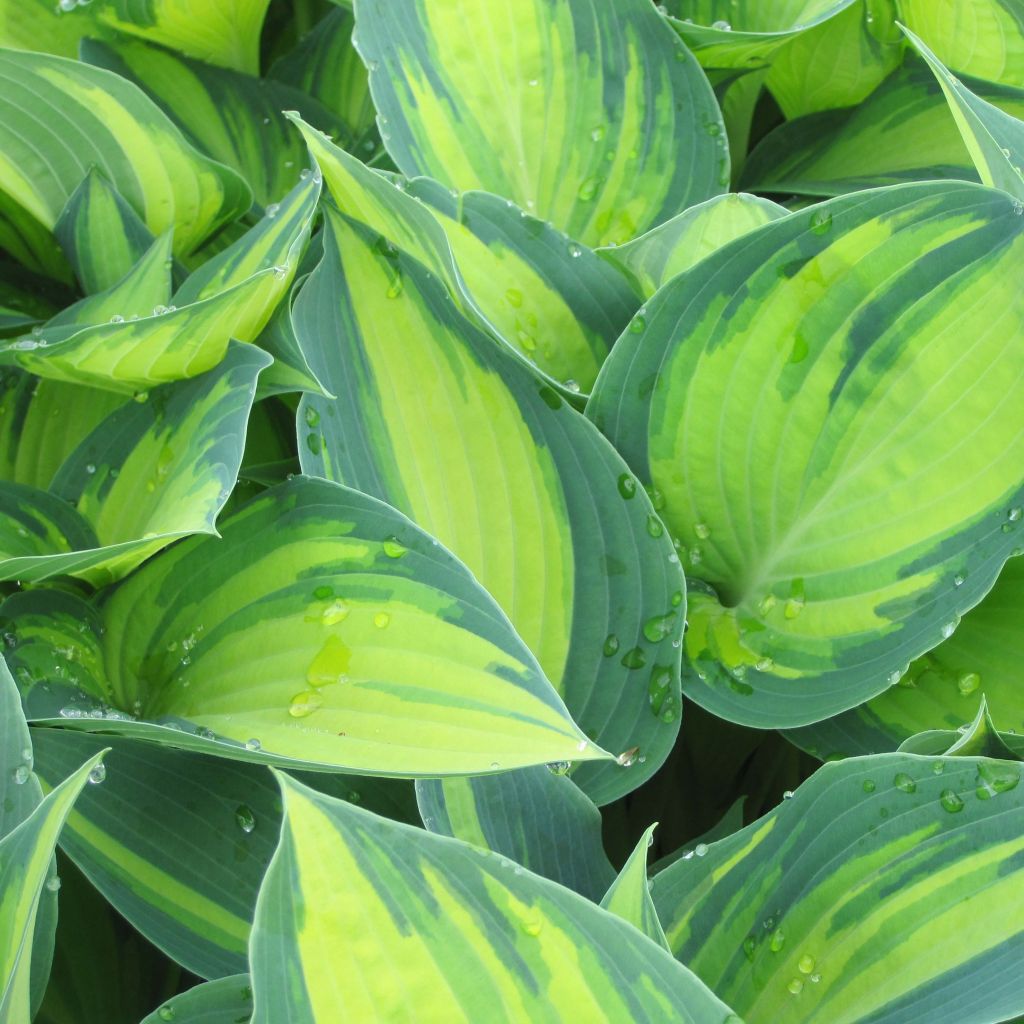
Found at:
<point>611,645</point>
<point>571,385</point>
<point>968,683</point>
<point>749,947</point>
<point>700,849</point>
<point>904,783</point>
<point>312,417</point>
<point>381,620</point>
<point>815,978</point>
<point>777,941</point>
<point>787,795</point>
<point>588,189</point>
<point>117,319</point>
<point>628,757</point>
<point>995,777</point>
<point>806,964</point>
<point>253,744</point>
<point>21,774</point>
<point>395,288</point>
<point>165,1013</point>
<point>949,628</point>
<point>958,579</point>
<point>627,486</point>
<point>394,548</point>
<point>533,924</point>
<point>658,627</point>
<point>314,444</point>
<point>634,658</point>
<point>575,251</point>
<point>821,222</point>
<point>868,786</point>
<point>950,801</point>
<point>702,530</point>
<point>273,209</point>
<point>598,133</point>
<point>722,26</point>
<point>53,883</point>
<point>766,604</point>
<point>98,773</point>
<point>796,986</point>
<point>1014,514</point>
<point>582,745</point>
<point>514,297</point>
<point>654,526</point>
<point>558,767</point>
<point>244,818</point>
<point>638,324</point>
<point>305,703</point>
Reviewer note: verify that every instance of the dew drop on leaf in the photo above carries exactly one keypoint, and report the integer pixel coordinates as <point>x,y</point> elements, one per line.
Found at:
<point>244,818</point>
<point>904,783</point>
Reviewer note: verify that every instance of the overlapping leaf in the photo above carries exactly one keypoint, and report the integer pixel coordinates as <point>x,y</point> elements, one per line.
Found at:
<point>884,890</point>
<point>437,419</point>
<point>833,456</point>
<point>590,115</point>
<point>437,930</point>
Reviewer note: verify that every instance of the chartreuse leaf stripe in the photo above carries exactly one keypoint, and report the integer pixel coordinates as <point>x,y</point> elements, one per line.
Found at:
<point>535,816</point>
<point>984,38</point>
<point>324,628</point>
<point>667,250</point>
<point>100,234</point>
<point>227,34</point>
<point>232,295</point>
<point>746,33</point>
<point>224,1001</point>
<point>629,896</point>
<point>887,889</point>
<point>60,117</point>
<point>994,139</point>
<point>232,117</point>
<point>436,419</point>
<point>941,688</point>
<point>591,115</point>
<point>26,856</point>
<point>805,401</point>
<point>902,132</point>
<point>433,929</point>
<point>133,484</point>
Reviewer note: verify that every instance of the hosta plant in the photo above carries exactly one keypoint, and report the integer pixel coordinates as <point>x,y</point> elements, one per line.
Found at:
<point>441,442</point>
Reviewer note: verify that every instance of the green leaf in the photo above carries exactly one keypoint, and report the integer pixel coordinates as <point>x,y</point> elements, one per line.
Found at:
<point>97,119</point>
<point>227,34</point>
<point>326,66</point>
<point>746,33</point>
<point>436,419</point>
<point>178,842</point>
<point>232,295</point>
<point>322,629</point>
<point>149,473</point>
<point>590,115</point>
<point>884,890</point>
<point>839,62</point>
<point>438,929</point>
<point>629,896</point>
<point>939,689</point>
<point>232,117</point>
<point>535,816</point>
<point>100,233</point>
<point>984,38</point>
<point>902,132</point>
<point>225,1001</point>
<point>41,25</point>
<point>680,243</point>
<point>26,855</point>
<point>831,454</point>
<point>995,140</point>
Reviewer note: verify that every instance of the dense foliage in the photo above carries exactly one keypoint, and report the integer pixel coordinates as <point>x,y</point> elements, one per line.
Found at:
<point>440,440</point>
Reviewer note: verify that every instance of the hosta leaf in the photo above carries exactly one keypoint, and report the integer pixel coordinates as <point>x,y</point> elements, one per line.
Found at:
<point>667,250</point>
<point>232,117</point>
<point>984,38</point>
<point>60,117</point>
<point>533,816</point>
<point>440,931</point>
<point>224,1001</point>
<point>227,33</point>
<point>746,33</point>
<point>630,897</point>
<point>831,453</point>
<point>26,855</point>
<point>548,297</point>
<point>178,841</point>
<point>839,62</point>
<point>41,25</point>
<point>436,419</point>
<point>100,233</point>
<point>232,295</point>
<point>940,690</point>
<point>884,890</point>
<point>326,66</point>
<point>902,132</point>
<point>149,473</point>
<point>592,116</point>
<point>994,139</point>
<point>290,370</point>
<point>324,629</point>
<point>551,298</point>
